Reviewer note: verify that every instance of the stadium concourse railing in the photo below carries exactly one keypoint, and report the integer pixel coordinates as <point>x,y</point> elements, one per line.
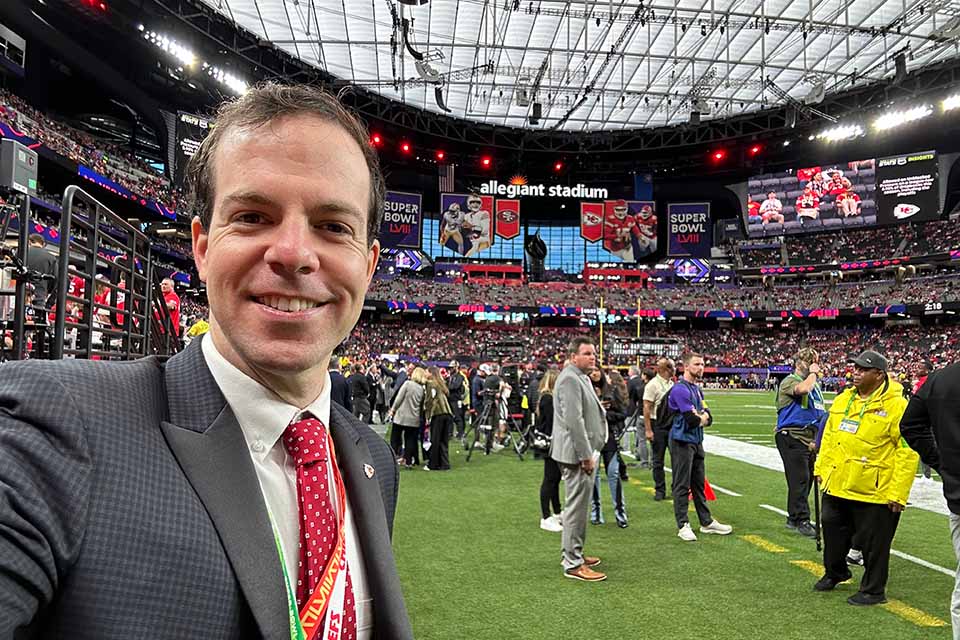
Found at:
<point>107,303</point>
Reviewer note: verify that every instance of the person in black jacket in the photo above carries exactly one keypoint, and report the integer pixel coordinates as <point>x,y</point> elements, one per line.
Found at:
<point>550,486</point>
<point>339,390</point>
<point>43,263</point>
<point>613,397</point>
<point>457,386</point>
<point>931,426</point>
<point>360,394</point>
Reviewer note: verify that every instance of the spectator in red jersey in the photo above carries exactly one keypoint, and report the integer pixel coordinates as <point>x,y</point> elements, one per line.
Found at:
<point>173,303</point>
<point>753,210</point>
<point>836,186</point>
<point>808,205</point>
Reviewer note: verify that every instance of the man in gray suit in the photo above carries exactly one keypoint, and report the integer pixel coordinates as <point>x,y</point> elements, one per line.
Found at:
<point>166,500</point>
<point>579,431</point>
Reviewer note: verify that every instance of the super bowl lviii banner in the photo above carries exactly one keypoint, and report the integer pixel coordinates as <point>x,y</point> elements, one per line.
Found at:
<point>402,220</point>
<point>508,218</point>
<point>591,221</point>
<point>629,229</point>
<point>689,230</point>
<point>466,224</point>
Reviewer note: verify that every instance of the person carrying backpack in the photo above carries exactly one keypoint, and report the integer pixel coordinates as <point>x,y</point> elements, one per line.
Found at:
<point>657,421</point>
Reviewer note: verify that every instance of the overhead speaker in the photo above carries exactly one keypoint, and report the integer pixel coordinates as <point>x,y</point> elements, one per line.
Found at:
<point>536,113</point>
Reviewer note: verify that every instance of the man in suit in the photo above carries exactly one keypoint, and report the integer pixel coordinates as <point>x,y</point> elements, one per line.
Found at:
<point>579,431</point>
<point>187,508</point>
<point>339,389</point>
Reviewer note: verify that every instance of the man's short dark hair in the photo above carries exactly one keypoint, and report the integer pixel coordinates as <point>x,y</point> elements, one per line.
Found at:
<point>689,356</point>
<point>334,364</point>
<point>649,373</point>
<point>266,103</point>
<point>574,347</point>
<point>36,238</point>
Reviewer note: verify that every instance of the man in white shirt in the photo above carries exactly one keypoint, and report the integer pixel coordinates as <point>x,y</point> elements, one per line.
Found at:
<point>477,221</point>
<point>184,508</point>
<point>771,209</point>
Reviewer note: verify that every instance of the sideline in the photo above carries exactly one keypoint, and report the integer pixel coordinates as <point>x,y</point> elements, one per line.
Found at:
<point>924,494</point>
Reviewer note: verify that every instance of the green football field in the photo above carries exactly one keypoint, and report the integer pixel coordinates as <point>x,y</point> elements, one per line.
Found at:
<point>474,563</point>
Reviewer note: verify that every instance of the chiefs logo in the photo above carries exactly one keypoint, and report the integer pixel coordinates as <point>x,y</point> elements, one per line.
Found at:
<point>902,211</point>
<point>590,218</point>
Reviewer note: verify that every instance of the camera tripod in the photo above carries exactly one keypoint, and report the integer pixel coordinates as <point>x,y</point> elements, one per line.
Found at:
<point>482,428</point>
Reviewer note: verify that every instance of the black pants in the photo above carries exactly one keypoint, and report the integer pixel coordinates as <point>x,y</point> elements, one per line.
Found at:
<point>459,416</point>
<point>411,442</point>
<point>396,439</point>
<point>550,487</point>
<point>362,411</point>
<point>796,467</point>
<point>440,427</point>
<point>873,525</point>
<point>661,440</point>
<point>688,477</point>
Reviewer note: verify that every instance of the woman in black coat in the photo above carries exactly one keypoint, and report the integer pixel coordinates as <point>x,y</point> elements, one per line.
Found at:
<point>550,486</point>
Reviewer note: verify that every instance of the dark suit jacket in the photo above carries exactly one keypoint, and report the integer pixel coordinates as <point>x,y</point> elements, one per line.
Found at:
<point>129,507</point>
<point>340,391</point>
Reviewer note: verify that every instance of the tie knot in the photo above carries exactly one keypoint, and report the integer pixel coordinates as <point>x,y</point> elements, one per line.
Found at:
<point>306,441</point>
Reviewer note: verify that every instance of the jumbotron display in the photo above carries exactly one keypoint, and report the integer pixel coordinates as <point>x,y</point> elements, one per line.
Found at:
<point>859,193</point>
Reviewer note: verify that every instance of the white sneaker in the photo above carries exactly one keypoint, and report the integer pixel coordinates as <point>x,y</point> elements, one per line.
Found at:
<point>558,518</point>
<point>686,533</point>
<point>549,524</point>
<point>718,528</point>
<point>496,446</point>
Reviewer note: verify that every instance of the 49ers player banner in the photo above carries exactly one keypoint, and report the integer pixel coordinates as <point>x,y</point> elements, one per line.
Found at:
<point>466,225</point>
<point>630,229</point>
<point>591,221</point>
<point>508,218</point>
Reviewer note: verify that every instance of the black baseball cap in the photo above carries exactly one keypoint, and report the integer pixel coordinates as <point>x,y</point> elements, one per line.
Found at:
<point>870,360</point>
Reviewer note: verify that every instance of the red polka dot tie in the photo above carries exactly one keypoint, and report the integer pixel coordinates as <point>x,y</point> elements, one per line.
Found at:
<point>306,441</point>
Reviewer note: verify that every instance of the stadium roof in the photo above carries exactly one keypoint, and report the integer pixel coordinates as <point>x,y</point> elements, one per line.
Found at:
<point>600,64</point>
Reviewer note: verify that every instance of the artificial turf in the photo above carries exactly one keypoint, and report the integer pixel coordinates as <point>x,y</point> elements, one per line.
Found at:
<point>474,563</point>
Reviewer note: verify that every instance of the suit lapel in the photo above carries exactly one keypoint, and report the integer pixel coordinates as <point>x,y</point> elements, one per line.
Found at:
<point>206,439</point>
<point>369,515</point>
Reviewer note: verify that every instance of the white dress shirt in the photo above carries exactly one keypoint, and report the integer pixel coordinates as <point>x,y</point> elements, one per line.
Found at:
<point>263,417</point>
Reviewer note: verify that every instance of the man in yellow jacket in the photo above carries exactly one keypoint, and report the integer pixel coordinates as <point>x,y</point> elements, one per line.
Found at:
<point>866,471</point>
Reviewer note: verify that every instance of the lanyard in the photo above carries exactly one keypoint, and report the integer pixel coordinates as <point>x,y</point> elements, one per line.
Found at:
<point>863,409</point>
<point>309,622</point>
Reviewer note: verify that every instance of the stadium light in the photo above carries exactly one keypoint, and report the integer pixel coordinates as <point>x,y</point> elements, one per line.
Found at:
<point>951,103</point>
<point>184,55</point>
<point>405,146</point>
<point>755,149</point>
<point>718,155</point>
<point>558,166</point>
<point>897,118</point>
<point>441,155</point>
<point>486,161</point>
<point>376,140</point>
<point>836,134</point>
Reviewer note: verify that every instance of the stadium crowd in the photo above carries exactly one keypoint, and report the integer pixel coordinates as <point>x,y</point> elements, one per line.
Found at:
<point>852,244</point>
<point>109,160</point>
<point>906,347</point>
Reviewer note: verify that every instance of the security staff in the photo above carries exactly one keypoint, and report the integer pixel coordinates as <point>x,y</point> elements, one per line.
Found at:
<point>800,416</point>
<point>866,471</point>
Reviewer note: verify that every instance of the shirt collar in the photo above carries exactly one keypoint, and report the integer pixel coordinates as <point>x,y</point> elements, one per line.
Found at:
<point>262,415</point>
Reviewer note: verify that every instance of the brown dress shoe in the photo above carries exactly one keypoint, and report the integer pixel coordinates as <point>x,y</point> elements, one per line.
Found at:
<point>591,561</point>
<point>585,573</point>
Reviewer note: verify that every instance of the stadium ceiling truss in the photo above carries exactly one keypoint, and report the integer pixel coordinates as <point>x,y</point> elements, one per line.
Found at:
<point>597,75</point>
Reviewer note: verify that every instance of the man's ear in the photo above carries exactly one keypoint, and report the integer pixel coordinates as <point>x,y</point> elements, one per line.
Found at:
<point>199,240</point>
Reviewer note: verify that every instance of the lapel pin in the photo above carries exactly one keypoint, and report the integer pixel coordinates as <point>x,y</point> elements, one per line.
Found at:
<point>368,470</point>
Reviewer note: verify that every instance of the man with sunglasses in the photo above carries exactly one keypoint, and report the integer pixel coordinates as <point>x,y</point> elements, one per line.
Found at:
<point>866,471</point>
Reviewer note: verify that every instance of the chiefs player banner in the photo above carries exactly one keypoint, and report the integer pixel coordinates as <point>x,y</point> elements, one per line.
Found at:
<point>508,218</point>
<point>591,221</point>
<point>629,229</point>
<point>466,223</point>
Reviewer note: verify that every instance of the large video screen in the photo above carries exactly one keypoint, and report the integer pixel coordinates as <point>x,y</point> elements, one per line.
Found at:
<point>860,193</point>
<point>191,131</point>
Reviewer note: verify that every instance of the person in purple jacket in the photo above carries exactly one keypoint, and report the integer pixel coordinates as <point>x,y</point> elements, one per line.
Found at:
<point>690,416</point>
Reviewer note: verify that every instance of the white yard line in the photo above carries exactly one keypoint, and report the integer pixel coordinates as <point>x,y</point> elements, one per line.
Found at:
<point>924,495</point>
<point>899,554</point>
